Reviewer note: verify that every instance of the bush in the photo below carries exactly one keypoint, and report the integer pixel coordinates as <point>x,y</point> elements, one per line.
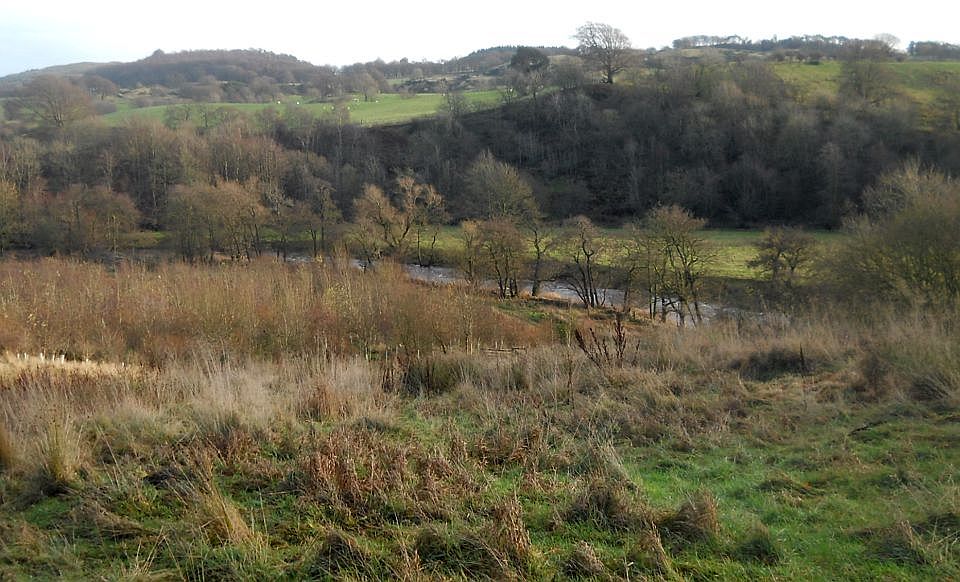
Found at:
<point>905,247</point>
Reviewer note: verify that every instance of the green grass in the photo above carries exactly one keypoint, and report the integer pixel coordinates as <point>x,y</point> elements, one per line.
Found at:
<point>382,110</point>
<point>811,81</point>
<point>918,81</point>
<point>731,249</point>
<point>822,487</point>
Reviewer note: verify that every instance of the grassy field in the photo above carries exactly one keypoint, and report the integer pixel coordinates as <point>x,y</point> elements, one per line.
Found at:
<point>384,109</point>
<point>730,249</point>
<point>919,81</point>
<point>342,424</point>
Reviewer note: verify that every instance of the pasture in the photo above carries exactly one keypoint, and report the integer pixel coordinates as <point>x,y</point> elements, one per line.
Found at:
<point>383,109</point>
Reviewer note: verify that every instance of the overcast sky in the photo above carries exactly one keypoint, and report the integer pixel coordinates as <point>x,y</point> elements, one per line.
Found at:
<point>53,32</point>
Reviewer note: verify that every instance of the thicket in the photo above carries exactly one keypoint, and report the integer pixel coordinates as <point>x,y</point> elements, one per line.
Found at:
<point>727,141</point>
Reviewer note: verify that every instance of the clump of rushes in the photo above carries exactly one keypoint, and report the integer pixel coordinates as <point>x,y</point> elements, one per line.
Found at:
<point>608,505</point>
<point>8,455</point>
<point>583,562</point>
<point>649,556</point>
<point>339,555</point>
<point>758,546</point>
<point>60,459</point>
<point>695,521</point>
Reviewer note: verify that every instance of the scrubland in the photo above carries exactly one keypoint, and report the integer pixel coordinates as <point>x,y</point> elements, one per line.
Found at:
<point>266,421</point>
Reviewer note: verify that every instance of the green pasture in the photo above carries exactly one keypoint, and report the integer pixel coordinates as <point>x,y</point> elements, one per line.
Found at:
<point>920,81</point>
<point>382,110</point>
<point>729,249</point>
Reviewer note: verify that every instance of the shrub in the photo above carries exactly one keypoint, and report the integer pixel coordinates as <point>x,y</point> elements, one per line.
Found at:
<point>904,248</point>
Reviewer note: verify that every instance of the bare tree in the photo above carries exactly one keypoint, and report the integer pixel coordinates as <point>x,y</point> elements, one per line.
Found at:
<point>781,252</point>
<point>323,214</point>
<point>670,256</point>
<point>51,101</point>
<point>542,239</point>
<point>9,213</point>
<point>386,226</point>
<point>585,249</point>
<point>604,46</point>
<point>497,190</point>
<point>503,246</point>
<point>99,86</point>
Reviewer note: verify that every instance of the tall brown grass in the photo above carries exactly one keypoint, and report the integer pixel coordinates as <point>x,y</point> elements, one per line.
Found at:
<point>259,309</point>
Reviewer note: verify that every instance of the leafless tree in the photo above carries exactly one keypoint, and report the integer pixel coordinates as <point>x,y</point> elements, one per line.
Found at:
<point>53,102</point>
<point>604,46</point>
<point>585,250</point>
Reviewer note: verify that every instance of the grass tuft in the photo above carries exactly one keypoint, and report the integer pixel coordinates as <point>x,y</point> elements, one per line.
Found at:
<point>217,516</point>
<point>8,452</point>
<point>94,520</point>
<point>510,534</point>
<point>339,555</point>
<point>583,562</point>
<point>649,555</point>
<point>608,505</point>
<point>461,553</point>
<point>695,521</point>
<point>59,459</point>
<point>758,546</point>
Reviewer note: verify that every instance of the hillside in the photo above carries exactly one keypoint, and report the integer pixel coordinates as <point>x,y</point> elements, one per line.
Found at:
<point>16,80</point>
<point>741,142</point>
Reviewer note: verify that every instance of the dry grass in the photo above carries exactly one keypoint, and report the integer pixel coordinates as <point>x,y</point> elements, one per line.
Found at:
<point>216,515</point>
<point>917,358</point>
<point>264,308</point>
<point>365,418</point>
<point>696,520</point>
<point>8,450</point>
<point>583,562</point>
<point>58,458</point>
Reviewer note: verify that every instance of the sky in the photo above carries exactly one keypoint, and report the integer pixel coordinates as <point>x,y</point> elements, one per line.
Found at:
<point>55,32</point>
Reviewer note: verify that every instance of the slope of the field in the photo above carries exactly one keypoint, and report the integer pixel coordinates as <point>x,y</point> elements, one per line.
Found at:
<point>384,109</point>
<point>924,82</point>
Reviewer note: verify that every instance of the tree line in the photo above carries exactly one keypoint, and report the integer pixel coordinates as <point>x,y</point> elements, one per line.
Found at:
<point>610,136</point>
